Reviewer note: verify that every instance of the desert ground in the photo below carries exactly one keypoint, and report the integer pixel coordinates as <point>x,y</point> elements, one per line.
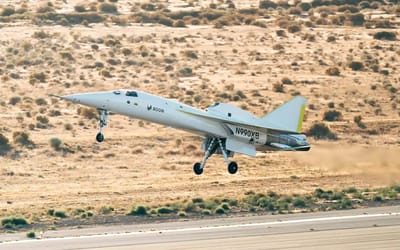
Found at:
<point>52,161</point>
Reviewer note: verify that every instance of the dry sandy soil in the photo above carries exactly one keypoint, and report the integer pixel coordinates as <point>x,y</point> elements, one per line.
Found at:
<point>142,163</point>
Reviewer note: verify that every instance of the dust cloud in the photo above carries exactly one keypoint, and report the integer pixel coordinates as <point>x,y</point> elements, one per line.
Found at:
<point>376,166</point>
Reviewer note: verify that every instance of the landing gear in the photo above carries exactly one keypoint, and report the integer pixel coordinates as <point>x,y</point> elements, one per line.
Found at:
<point>99,137</point>
<point>212,145</point>
<point>232,167</point>
<point>102,123</point>
<point>197,168</point>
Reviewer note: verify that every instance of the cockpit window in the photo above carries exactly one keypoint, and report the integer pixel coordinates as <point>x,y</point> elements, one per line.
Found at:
<point>214,105</point>
<point>117,92</point>
<point>131,93</point>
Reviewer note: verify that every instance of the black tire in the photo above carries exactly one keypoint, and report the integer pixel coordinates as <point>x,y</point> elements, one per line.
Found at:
<point>196,168</point>
<point>233,167</point>
<point>99,137</point>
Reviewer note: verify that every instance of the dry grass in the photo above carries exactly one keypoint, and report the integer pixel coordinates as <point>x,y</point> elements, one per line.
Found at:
<point>142,163</point>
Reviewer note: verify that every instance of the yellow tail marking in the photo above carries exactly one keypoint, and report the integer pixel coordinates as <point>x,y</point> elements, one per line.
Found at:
<point>301,116</point>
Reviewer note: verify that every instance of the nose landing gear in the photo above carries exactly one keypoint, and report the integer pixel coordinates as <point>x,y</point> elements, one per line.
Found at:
<point>102,123</point>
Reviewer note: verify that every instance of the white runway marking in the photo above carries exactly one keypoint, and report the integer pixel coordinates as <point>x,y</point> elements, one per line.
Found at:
<point>320,219</point>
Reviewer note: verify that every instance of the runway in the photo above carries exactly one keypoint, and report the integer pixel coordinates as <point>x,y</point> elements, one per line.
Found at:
<point>372,228</point>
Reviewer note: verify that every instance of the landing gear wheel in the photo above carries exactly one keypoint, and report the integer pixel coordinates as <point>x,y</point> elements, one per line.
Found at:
<point>196,168</point>
<point>232,167</point>
<point>99,137</point>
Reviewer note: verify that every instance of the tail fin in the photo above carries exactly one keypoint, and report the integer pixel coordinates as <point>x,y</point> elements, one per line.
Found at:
<point>288,117</point>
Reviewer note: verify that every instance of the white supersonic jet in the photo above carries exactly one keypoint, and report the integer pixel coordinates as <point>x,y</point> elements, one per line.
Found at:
<point>226,129</point>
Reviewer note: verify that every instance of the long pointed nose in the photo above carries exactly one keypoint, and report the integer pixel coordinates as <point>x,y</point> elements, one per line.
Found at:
<point>96,99</point>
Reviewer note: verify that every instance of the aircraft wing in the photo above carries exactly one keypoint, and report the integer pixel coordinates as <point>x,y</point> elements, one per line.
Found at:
<point>255,124</point>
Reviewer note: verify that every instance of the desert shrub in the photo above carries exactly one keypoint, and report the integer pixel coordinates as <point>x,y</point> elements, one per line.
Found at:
<point>13,222</point>
<point>3,140</point>
<point>295,11</point>
<point>260,24</point>
<point>225,206</point>
<point>31,235</point>
<point>179,24</point>
<point>206,212</point>
<point>358,120</point>
<point>106,210</point>
<point>299,202</point>
<point>22,138</point>
<point>186,72</point>
<point>14,100</point>
<point>211,15</point>
<point>126,51</point>
<point>347,7</point>
<point>332,115</point>
<point>332,71</point>
<point>286,80</point>
<point>39,76</point>
<point>40,34</point>
<point>356,65</point>
<point>304,6</point>
<point>293,28</point>
<point>41,101</point>
<point>321,131</point>
<point>375,5</point>
<point>68,126</point>
<point>281,33</point>
<point>60,214</point>
<point>356,19</point>
<point>79,8</point>
<point>181,214</point>
<point>383,24</point>
<point>7,11</point>
<point>55,143</point>
<point>278,47</point>
<point>50,212</point>
<point>385,35</point>
<point>138,211</point>
<point>331,39</point>
<point>45,8</point>
<point>364,5</point>
<point>108,8</point>
<point>266,4</point>
<point>106,73</point>
<point>148,6</point>
<point>66,55</point>
<point>164,210</point>
<point>42,119</point>
<point>345,203</point>
<point>278,87</point>
<point>4,144</point>
<point>191,54</point>
<point>79,18</point>
<point>219,210</point>
<point>197,200</point>
<point>267,203</point>
<point>350,190</point>
<point>309,37</point>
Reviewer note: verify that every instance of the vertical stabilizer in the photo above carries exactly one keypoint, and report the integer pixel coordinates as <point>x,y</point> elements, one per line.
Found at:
<point>288,117</point>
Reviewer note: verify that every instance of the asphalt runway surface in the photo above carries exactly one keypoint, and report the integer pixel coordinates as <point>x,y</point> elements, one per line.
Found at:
<point>371,228</point>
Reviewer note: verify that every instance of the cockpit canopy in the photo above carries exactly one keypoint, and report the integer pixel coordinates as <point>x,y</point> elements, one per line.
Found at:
<point>131,93</point>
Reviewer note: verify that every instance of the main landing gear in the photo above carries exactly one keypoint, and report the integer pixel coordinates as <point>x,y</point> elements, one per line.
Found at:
<point>212,145</point>
<point>103,122</point>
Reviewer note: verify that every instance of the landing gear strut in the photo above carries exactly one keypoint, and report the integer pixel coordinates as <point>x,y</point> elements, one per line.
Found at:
<point>212,147</point>
<point>102,123</point>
